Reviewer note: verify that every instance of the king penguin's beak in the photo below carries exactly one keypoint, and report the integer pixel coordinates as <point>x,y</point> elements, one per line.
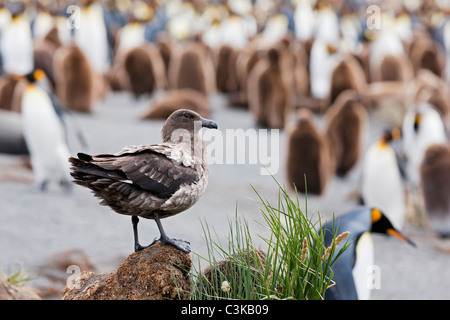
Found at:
<point>398,235</point>
<point>209,124</point>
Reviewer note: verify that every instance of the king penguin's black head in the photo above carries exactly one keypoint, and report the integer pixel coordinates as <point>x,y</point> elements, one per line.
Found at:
<point>417,120</point>
<point>391,134</point>
<point>35,76</point>
<point>381,224</point>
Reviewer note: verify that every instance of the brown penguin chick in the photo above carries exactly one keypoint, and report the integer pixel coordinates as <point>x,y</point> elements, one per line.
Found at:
<point>162,108</point>
<point>53,37</point>
<point>363,59</point>
<point>11,91</point>
<point>308,154</point>
<point>390,67</point>
<point>145,69</point>
<point>432,89</point>
<point>347,75</point>
<point>346,120</point>
<point>117,76</point>
<point>245,61</point>
<point>113,76</point>
<point>425,53</point>
<point>74,79</point>
<point>287,62</point>
<point>165,48</point>
<point>7,86</point>
<point>301,73</point>
<point>43,53</point>
<point>191,67</point>
<point>394,69</point>
<point>435,96</point>
<point>435,184</point>
<point>153,181</point>
<point>226,76</point>
<point>269,96</point>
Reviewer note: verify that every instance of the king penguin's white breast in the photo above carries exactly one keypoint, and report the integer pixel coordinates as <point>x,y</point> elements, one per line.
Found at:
<point>382,183</point>
<point>17,47</point>
<point>131,35</point>
<point>91,37</point>
<point>321,65</point>
<point>232,33</point>
<point>42,128</point>
<point>44,136</point>
<point>364,261</point>
<point>304,21</point>
<point>431,130</point>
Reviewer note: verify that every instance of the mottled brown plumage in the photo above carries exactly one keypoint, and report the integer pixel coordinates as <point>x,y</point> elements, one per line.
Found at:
<point>154,181</point>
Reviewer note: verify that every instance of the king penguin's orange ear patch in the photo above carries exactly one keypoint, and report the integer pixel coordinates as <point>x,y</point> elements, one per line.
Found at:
<point>376,215</point>
<point>39,74</point>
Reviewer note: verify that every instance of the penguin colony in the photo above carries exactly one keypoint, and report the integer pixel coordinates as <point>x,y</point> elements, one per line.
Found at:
<point>311,68</point>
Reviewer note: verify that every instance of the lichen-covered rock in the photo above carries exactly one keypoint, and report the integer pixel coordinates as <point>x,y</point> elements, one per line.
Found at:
<point>155,273</point>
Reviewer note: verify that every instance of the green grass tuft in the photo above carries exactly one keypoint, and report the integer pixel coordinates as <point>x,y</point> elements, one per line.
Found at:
<point>293,267</point>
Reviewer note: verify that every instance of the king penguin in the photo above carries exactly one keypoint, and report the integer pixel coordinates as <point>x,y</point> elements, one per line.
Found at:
<point>382,183</point>
<point>16,45</point>
<point>323,60</point>
<point>326,23</point>
<point>384,43</point>
<point>235,31</point>
<point>92,36</point>
<point>44,134</point>
<point>351,270</point>
<point>304,20</point>
<point>276,28</point>
<point>422,126</point>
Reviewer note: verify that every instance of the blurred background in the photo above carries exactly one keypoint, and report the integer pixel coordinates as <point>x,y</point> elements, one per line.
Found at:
<point>359,91</point>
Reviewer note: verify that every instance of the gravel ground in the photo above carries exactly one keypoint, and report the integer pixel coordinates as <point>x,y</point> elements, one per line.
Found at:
<point>35,225</point>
